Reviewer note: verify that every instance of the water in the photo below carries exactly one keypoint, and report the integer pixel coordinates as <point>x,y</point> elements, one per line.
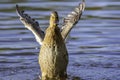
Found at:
<point>93,45</point>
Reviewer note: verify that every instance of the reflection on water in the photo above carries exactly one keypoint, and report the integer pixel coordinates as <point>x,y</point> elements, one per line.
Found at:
<point>93,45</point>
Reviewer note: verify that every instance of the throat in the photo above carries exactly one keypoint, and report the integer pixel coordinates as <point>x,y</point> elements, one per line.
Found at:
<point>53,24</point>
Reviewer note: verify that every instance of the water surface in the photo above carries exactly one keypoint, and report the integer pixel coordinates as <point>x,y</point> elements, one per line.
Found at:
<point>93,44</point>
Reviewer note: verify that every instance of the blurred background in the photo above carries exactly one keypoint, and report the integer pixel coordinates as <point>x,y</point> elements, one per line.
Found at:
<point>93,44</point>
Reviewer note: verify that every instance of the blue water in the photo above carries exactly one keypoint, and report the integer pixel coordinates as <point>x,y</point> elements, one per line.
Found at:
<point>93,44</point>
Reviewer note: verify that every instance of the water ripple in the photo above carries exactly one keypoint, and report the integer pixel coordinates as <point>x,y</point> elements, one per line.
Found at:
<point>93,44</point>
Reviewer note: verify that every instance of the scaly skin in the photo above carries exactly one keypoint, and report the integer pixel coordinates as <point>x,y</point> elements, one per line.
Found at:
<point>53,57</point>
